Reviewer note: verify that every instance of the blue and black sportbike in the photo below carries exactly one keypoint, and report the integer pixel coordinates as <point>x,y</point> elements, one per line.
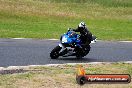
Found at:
<point>70,43</point>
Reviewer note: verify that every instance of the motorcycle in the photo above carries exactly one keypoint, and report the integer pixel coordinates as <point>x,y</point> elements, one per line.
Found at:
<point>70,44</point>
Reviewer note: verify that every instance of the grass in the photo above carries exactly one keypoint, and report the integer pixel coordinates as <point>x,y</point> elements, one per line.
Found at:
<point>107,19</point>
<point>63,76</point>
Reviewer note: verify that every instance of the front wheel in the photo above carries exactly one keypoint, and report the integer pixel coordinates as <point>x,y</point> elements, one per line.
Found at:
<point>55,52</point>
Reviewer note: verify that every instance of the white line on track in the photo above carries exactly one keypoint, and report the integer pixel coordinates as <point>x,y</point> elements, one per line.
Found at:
<point>126,41</point>
<point>53,39</point>
<point>18,38</point>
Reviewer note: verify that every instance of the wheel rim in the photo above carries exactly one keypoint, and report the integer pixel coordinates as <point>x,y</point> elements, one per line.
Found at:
<point>55,54</point>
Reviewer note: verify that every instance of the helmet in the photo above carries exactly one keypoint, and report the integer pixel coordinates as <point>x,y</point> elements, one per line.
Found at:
<point>82,25</point>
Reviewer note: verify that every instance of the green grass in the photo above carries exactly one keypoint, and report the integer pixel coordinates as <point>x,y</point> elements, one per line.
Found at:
<point>63,76</point>
<point>107,19</point>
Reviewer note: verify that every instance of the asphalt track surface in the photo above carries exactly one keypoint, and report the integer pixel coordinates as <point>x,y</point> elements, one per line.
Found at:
<point>23,52</point>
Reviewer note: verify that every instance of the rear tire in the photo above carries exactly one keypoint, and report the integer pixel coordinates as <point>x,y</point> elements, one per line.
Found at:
<point>87,49</point>
<point>81,53</point>
<point>55,52</point>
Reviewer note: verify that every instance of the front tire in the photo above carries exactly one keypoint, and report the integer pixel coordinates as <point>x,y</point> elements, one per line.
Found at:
<point>55,52</point>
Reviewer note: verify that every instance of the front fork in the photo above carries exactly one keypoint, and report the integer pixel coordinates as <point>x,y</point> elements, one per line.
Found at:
<point>63,51</point>
<point>61,45</point>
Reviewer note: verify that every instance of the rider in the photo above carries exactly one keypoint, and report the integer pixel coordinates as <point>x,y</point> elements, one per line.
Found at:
<point>85,35</point>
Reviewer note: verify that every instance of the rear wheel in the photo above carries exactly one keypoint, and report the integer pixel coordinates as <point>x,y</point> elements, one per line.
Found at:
<point>55,52</point>
<point>78,53</point>
<point>82,52</point>
<point>87,49</point>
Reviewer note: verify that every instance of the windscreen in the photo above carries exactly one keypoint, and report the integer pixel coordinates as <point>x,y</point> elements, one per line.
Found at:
<point>71,34</point>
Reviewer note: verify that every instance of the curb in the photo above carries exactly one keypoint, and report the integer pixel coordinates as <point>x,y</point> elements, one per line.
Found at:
<point>55,65</point>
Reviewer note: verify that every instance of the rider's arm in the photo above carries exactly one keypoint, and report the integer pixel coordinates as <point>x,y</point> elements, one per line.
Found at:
<point>76,30</point>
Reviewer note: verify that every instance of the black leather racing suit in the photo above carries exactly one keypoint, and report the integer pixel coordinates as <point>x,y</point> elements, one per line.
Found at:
<point>85,36</point>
